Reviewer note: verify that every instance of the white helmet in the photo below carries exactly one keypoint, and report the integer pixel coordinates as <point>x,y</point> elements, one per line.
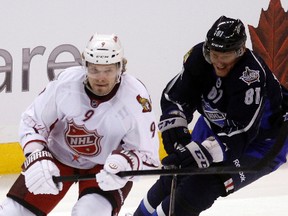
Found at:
<point>103,49</point>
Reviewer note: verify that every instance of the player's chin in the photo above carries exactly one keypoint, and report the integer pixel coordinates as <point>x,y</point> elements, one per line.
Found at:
<point>221,72</point>
<point>103,91</point>
<point>100,93</point>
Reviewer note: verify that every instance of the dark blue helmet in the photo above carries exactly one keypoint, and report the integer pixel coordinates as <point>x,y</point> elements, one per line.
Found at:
<point>226,34</point>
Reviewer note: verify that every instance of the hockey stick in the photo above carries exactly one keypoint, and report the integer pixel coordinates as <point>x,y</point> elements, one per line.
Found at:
<point>277,147</point>
<point>172,196</point>
<point>163,172</point>
<point>281,138</point>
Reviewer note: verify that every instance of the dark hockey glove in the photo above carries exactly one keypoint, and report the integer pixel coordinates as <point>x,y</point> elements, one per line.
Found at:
<point>192,154</point>
<point>174,131</point>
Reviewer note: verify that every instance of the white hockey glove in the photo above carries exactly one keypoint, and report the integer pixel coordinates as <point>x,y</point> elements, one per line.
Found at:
<point>118,160</point>
<point>38,169</point>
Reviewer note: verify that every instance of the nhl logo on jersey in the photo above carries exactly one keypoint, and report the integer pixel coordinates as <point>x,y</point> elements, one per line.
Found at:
<point>249,76</point>
<point>81,140</point>
<point>94,103</point>
<point>145,103</point>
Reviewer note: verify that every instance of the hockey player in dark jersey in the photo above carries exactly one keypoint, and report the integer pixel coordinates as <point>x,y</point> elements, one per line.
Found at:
<point>241,109</point>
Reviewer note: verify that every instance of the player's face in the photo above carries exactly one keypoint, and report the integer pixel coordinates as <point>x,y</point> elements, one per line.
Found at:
<point>102,78</point>
<point>223,62</point>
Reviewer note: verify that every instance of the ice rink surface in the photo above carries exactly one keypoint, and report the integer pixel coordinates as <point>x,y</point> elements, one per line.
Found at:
<point>266,197</point>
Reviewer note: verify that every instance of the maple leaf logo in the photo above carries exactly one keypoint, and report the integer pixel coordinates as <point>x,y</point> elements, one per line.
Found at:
<point>270,39</point>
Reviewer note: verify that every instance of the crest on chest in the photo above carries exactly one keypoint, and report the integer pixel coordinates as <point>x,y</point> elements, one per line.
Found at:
<point>81,140</point>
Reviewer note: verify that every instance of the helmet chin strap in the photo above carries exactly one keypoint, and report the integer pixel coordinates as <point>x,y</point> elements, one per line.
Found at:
<point>119,72</point>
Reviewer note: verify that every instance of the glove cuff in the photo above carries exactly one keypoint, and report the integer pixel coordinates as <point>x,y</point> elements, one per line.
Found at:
<point>35,156</point>
<point>214,148</point>
<point>131,157</point>
<point>172,122</point>
<point>200,154</point>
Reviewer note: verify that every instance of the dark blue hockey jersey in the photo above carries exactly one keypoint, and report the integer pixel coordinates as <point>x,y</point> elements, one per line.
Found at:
<point>240,108</point>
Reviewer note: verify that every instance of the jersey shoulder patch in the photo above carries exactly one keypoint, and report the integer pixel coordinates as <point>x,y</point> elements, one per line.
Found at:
<point>145,103</point>
<point>250,76</point>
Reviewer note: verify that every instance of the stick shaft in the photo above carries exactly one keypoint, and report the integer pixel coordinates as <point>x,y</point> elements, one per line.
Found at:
<point>277,147</point>
<point>172,196</point>
<point>163,172</point>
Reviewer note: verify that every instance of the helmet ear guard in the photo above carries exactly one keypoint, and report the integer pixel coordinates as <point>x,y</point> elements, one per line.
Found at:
<point>240,51</point>
<point>124,63</point>
<point>206,52</point>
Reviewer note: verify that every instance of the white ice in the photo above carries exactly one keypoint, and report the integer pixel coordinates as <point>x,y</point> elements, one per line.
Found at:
<point>265,197</point>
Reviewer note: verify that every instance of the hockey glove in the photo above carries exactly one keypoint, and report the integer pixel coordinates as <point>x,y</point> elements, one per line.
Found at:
<point>38,170</point>
<point>192,154</point>
<point>174,131</point>
<point>118,160</point>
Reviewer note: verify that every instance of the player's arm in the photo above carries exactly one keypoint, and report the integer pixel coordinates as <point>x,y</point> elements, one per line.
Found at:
<point>38,119</point>
<point>180,99</point>
<point>139,148</point>
<point>39,167</point>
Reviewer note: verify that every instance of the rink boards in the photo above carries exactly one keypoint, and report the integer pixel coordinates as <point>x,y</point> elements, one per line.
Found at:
<point>11,156</point>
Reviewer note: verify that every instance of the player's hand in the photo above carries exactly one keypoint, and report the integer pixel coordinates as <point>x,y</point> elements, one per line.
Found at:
<point>38,170</point>
<point>118,160</point>
<point>174,130</point>
<point>192,154</point>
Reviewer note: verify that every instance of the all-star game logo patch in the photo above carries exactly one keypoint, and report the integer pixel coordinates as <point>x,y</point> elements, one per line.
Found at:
<point>145,103</point>
<point>250,76</point>
<point>82,141</point>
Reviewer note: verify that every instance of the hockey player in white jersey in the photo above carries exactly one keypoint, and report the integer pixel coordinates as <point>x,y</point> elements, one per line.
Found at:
<point>93,118</point>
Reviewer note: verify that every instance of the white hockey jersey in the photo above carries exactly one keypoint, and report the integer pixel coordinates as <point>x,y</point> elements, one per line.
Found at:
<point>81,130</point>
